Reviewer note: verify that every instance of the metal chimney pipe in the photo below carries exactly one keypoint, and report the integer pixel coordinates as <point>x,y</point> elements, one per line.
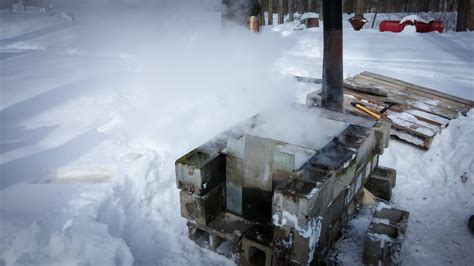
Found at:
<point>332,88</point>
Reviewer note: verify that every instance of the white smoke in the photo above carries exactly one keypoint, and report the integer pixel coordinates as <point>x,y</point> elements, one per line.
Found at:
<point>188,76</point>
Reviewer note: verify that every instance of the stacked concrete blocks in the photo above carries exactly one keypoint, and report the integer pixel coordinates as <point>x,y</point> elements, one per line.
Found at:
<point>276,194</point>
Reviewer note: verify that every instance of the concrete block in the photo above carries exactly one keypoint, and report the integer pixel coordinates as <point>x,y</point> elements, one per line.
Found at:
<point>282,243</point>
<point>202,209</point>
<point>294,211</point>
<point>199,172</point>
<point>199,236</point>
<point>257,205</point>
<point>256,248</point>
<point>365,148</point>
<point>332,219</point>
<point>234,180</point>
<point>295,198</point>
<point>395,217</point>
<point>381,245</point>
<point>379,187</point>
<point>258,162</point>
<point>386,173</point>
<point>382,136</point>
<point>385,237</point>
<point>344,179</point>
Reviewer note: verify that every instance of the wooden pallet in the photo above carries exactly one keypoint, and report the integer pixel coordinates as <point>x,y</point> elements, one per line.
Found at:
<point>419,113</point>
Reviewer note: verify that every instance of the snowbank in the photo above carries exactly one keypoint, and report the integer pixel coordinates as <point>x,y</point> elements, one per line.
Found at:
<point>430,186</point>
<point>94,112</point>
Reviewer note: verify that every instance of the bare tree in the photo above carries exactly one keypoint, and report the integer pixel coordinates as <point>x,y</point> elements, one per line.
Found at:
<point>359,7</point>
<point>434,5</point>
<point>290,10</point>
<point>270,12</point>
<point>461,23</point>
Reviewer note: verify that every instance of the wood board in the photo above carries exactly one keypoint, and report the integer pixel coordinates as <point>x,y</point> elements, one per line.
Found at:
<point>419,113</point>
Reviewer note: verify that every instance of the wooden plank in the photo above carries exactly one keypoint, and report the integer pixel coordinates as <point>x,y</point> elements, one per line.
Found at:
<point>402,118</point>
<point>409,129</point>
<point>400,134</point>
<point>412,100</point>
<point>467,102</point>
<point>398,89</point>
<point>407,121</point>
<point>379,104</point>
<point>364,89</point>
<point>430,118</point>
<point>308,79</point>
<point>404,134</point>
<point>408,94</point>
<point>414,93</point>
<point>420,113</point>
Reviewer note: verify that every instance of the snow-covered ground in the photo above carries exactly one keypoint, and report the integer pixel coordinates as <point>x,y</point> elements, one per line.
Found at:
<point>94,112</point>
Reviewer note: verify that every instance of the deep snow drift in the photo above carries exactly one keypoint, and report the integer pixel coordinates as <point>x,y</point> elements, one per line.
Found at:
<point>94,112</point>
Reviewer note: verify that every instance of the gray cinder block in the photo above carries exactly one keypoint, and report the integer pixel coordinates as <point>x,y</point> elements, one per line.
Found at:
<point>202,209</point>
<point>256,248</point>
<point>293,210</point>
<point>389,174</point>
<point>382,136</point>
<point>381,181</point>
<point>200,171</point>
<point>385,237</point>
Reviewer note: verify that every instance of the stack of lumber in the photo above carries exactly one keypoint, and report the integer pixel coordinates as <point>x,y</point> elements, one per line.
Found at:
<point>418,114</point>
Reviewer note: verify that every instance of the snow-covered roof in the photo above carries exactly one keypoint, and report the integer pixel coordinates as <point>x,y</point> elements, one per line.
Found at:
<point>309,15</point>
<point>412,19</point>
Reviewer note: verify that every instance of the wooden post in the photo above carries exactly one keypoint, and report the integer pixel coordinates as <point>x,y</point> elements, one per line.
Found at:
<point>262,12</point>
<point>321,17</point>
<point>377,8</point>
<point>299,6</point>
<point>280,12</point>
<point>290,10</point>
<point>270,12</point>
<point>462,15</point>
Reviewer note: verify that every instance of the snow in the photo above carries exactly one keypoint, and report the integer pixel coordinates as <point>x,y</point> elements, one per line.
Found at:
<point>381,206</point>
<point>309,15</point>
<point>286,218</point>
<point>412,19</point>
<point>380,221</point>
<point>95,111</point>
<point>380,237</point>
<point>429,186</point>
<point>406,119</point>
<point>409,29</point>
